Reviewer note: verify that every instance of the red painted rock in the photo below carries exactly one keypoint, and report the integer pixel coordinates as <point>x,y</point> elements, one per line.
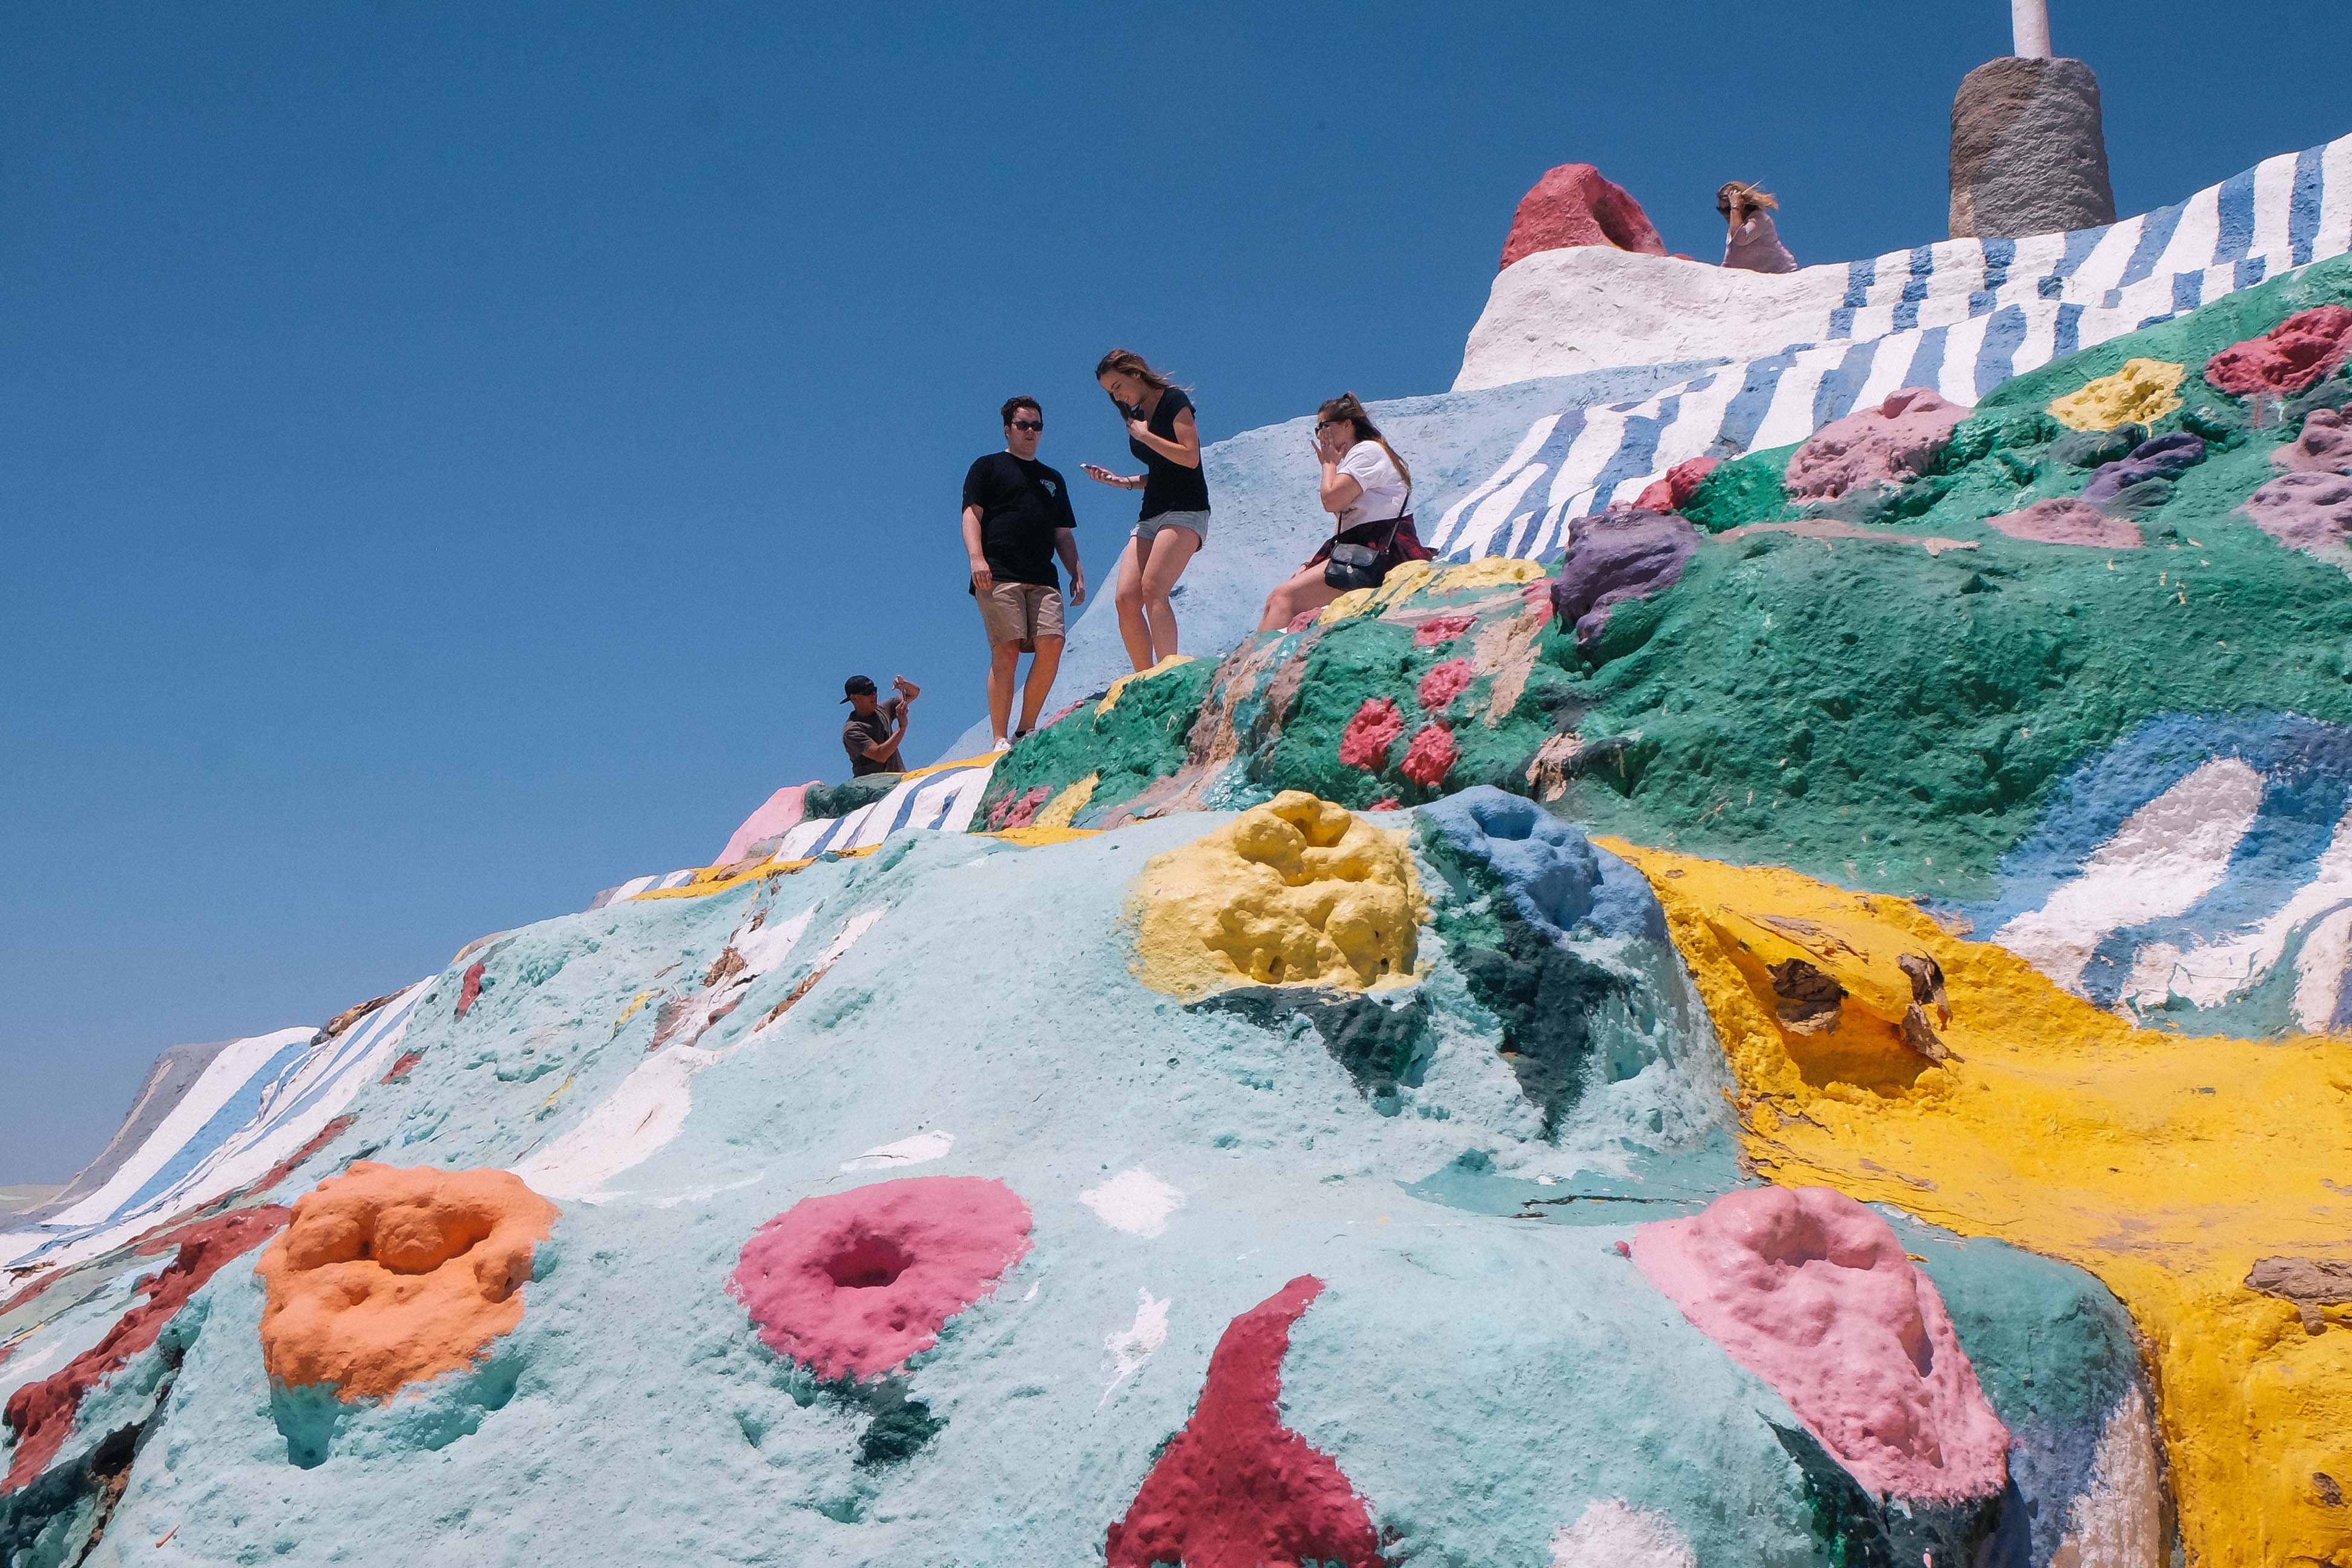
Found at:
<point>2287,358</point>
<point>1443,683</point>
<point>1365,742</point>
<point>852,1284</point>
<point>470,991</point>
<point>1573,206</point>
<point>1884,445</point>
<point>1237,1489</point>
<point>1681,482</point>
<point>42,1414</point>
<point>1441,629</point>
<point>1431,756</point>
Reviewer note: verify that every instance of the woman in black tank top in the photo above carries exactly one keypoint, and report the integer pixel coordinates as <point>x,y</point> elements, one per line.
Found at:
<point>1174,519</point>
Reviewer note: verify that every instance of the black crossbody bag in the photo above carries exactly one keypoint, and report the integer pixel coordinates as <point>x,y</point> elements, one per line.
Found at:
<point>1350,567</point>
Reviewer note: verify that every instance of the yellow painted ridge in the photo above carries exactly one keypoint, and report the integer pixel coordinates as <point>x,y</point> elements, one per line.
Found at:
<point>2166,1166</point>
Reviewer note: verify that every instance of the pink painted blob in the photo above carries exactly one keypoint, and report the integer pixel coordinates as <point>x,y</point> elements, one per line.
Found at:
<point>1884,445</point>
<point>1365,742</point>
<point>1444,683</point>
<point>1431,756</point>
<point>1811,1292</point>
<point>853,1283</point>
<point>778,814</point>
<point>1441,629</point>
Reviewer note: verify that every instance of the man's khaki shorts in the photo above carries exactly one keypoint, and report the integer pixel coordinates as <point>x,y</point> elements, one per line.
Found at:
<point>1021,613</point>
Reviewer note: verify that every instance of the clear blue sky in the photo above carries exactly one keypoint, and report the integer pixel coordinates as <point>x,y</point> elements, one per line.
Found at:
<point>450,454</point>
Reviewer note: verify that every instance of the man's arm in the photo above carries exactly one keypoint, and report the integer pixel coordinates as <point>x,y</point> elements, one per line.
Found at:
<point>1066,545</point>
<point>983,579</point>
<point>883,750</point>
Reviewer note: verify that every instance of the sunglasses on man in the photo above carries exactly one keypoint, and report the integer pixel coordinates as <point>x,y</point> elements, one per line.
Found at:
<point>1028,425</point>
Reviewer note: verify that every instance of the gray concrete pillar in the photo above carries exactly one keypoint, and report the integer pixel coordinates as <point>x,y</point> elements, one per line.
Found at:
<point>2029,152</point>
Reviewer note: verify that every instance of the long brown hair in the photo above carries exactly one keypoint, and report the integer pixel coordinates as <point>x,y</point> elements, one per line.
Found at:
<point>1739,194</point>
<point>1349,407</point>
<point>1128,362</point>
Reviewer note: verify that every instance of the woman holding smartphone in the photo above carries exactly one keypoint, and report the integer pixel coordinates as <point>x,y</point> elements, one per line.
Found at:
<point>1368,490</point>
<point>1174,519</point>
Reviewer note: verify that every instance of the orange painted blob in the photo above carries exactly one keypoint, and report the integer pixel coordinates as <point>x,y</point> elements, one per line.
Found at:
<point>388,1277</point>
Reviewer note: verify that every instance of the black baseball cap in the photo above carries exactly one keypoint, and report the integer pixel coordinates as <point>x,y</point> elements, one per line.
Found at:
<point>857,686</point>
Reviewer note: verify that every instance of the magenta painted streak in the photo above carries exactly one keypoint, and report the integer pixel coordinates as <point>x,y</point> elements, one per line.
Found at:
<point>1812,1292</point>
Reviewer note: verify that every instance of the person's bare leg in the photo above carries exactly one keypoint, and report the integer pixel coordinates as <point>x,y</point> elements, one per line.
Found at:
<point>1170,553</point>
<point>1048,659</point>
<point>1133,630</point>
<point>1306,591</point>
<point>1003,658</point>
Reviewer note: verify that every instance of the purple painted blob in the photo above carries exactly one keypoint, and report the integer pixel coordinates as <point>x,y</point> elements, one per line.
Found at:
<point>1888,445</point>
<point>2304,511</point>
<point>2166,457</point>
<point>2065,520</point>
<point>2324,448</point>
<point>1617,555</point>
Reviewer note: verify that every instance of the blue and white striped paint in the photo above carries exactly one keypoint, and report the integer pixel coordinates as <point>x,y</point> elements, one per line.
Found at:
<point>260,1100</point>
<point>2201,869</point>
<point>939,800</point>
<point>1961,317</point>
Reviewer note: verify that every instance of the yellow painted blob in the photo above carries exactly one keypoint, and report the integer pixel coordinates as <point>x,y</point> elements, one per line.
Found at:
<point>1037,836</point>
<point>2142,393</point>
<point>1062,807</point>
<point>1297,891</point>
<point>1423,577</point>
<point>2166,1166</point>
<point>1118,686</point>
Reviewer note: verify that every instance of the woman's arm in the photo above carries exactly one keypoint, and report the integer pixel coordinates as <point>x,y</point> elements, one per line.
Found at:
<point>1340,491</point>
<point>1102,476</point>
<point>1185,450</point>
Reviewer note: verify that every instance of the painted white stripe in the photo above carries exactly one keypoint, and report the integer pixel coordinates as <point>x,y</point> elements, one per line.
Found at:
<point>2274,193</point>
<point>2168,855</point>
<point>227,1073</point>
<point>1529,444</point>
<point>2319,970</point>
<point>2194,238</point>
<point>2208,973</point>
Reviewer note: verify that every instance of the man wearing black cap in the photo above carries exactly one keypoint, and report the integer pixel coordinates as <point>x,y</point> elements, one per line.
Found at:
<point>866,734</point>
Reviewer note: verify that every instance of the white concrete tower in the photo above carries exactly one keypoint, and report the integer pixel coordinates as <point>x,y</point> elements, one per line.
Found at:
<point>2028,23</point>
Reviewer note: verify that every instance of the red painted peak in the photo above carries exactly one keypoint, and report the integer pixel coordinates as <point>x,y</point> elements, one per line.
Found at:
<point>1575,205</point>
<point>1237,1489</point>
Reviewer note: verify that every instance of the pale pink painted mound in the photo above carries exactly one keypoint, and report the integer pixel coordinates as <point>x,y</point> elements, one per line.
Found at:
<point>853,1283</point>
<point>1888,445</point>
<point>777,815</point>
<point>2069,520</point>
<point>1811,1292</point>
<point>1573,206</point>
<point>2324,445</point>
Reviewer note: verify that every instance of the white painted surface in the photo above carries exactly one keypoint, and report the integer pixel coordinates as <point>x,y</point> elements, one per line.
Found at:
<point>1131,1346</point>
<point>2168,855</point>
<point>920,1149</point>
<point>2118,1521</point>
<point>1134,1201</point>
<point>1614,1534</point>
<point>2207,974</point>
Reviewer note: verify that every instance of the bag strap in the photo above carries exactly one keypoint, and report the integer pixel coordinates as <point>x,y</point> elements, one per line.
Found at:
<point>1398,521</point>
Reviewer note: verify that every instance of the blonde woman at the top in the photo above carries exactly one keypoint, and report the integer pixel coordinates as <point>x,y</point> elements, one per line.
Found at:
<point>1753,243</point>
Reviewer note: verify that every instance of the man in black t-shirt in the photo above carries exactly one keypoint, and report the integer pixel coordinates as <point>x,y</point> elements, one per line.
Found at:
<point>1017,519</point>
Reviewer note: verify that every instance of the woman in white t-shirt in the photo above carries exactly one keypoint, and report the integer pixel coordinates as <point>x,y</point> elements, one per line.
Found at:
<point>1368,489</point>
